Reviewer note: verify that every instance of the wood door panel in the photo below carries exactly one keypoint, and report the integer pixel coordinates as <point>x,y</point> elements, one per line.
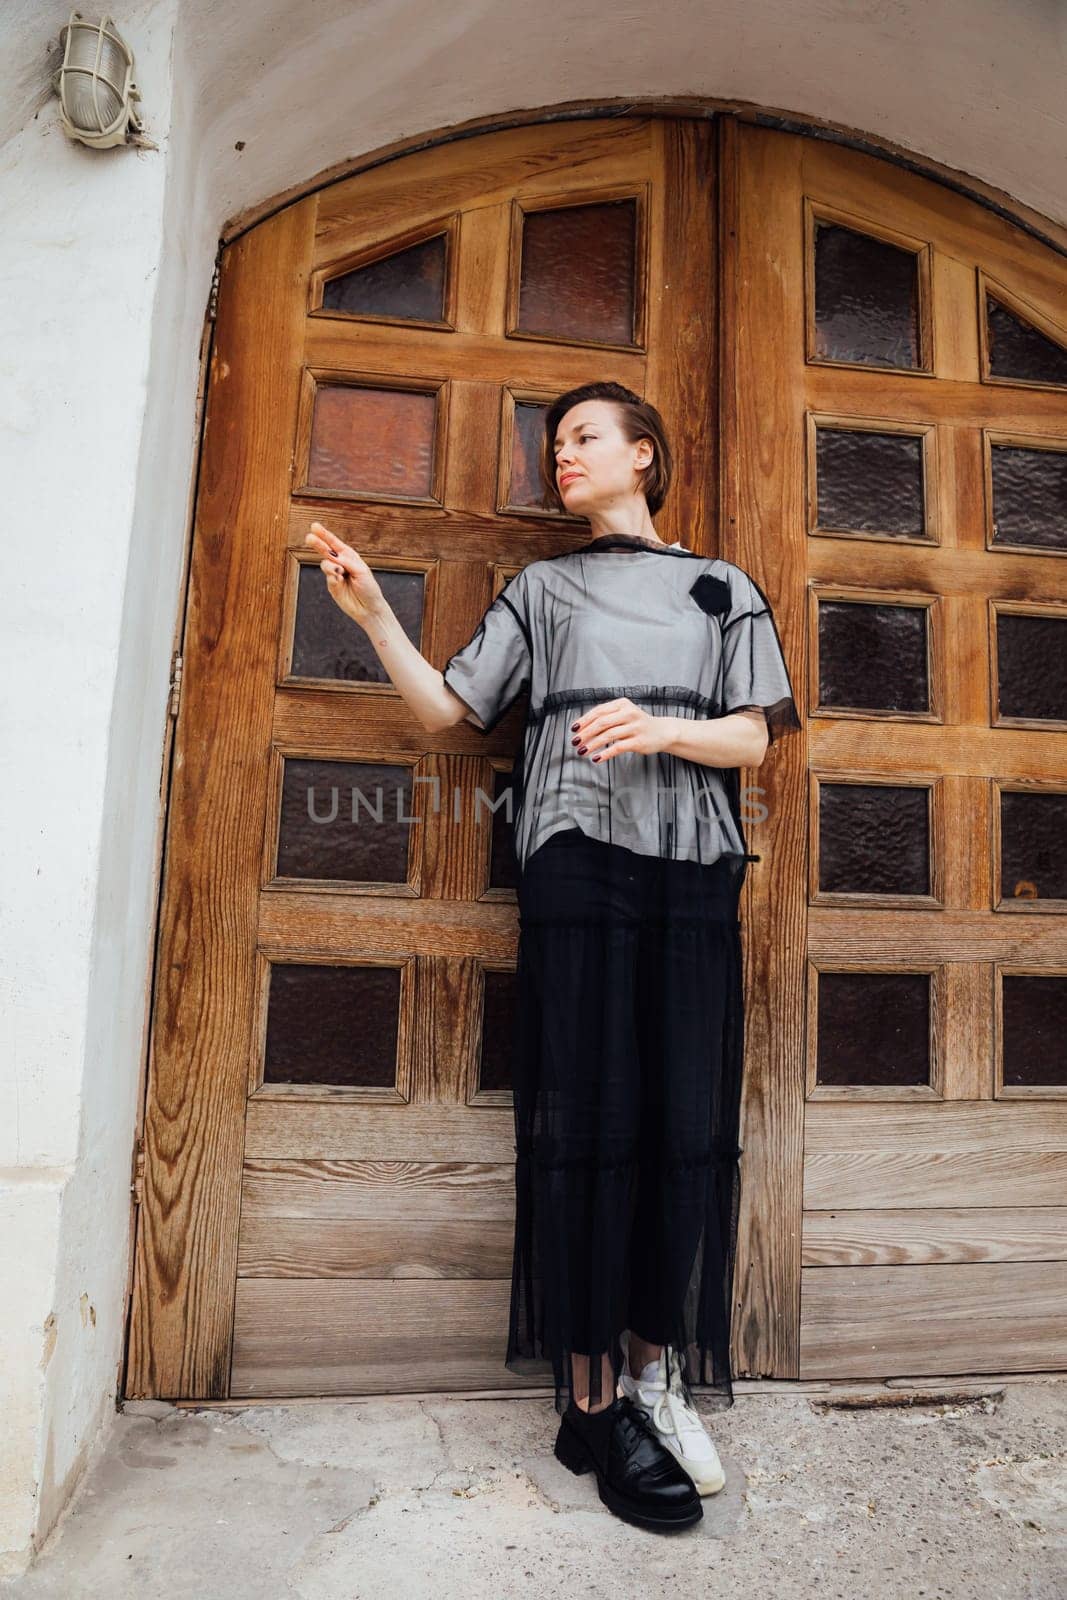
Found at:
<point>962,1126</point>
<point>443,538</point>
<point>398,1247</point>
<point>366,1336</point>
<point>948,1177</point>
<point>1002,1316</point>
<point>915,399</point>
<point>375,1191</point>
<point>325,926</point>
<point>938,936</point>
<point>921,1236</point>
<point>956,572</point>
<point>486,171</point>
<point>474,413</point>
<point>481,291</point>
<point>972,752</point>
<point>374,724</point>
<point>938,1154</point>
<point>368,352</point>
<point>376,1219</point>
<point>311,1130</point>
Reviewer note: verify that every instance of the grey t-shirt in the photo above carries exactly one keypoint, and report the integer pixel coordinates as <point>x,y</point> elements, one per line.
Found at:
<point>680,634</point>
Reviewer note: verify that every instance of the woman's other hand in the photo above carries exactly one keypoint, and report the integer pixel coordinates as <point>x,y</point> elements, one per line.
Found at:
<point>350,581</point>
<point>617,725</point>
<point>738,739</point>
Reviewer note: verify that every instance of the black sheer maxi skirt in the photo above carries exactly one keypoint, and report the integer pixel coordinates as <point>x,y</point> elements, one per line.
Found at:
<point>627,1065</point>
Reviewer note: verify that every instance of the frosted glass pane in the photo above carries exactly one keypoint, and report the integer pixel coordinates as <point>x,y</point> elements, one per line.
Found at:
<point>874,838</point>
<point>409,283</point>
<point>1032,666</point>
<point>874,1028</point>
<point>577,276</point>
<point>1033,844</point>
<point>525,489</point>
<point>332,1025</point>
<point>1035,1026</point>
<point>498,1023</point>
<point>328,644</point>
<point>866,299</point>
<point>1029,496</point>
<point>870,482</point>
<point>341,819</point>
<point>503,873</point>
<point>873,656</point>
<point>1019,350</point>
<point>374,441</point>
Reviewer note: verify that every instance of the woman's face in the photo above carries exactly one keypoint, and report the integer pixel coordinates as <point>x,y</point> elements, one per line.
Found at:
<point>596,466</point>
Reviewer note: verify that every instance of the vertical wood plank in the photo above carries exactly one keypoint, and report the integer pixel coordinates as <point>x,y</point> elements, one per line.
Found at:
<point>186,1254</point>
<point>683,328</point>
<point>763,522</point>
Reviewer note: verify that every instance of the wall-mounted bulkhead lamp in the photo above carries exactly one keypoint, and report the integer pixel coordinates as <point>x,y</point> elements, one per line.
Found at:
<point>95,85</point>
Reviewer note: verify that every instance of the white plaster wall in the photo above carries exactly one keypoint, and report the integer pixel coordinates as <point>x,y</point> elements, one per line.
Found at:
<point>107,259</point>
<point>99,328</point>
<point>29,1227</point>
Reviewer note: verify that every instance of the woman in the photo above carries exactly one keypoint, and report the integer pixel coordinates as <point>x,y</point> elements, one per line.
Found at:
<point>654,675</point>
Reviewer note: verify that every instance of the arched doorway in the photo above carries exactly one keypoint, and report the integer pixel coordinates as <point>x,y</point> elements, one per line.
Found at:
<point>864,374</point>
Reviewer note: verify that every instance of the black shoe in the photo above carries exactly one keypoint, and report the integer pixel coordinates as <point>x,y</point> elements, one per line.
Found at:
<point>637,1477</point>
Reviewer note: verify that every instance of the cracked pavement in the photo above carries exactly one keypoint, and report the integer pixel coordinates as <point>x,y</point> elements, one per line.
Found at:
<point>963,1498</point>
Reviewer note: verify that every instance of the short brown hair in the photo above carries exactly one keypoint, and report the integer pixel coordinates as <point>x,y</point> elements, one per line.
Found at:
<point>638,419</point>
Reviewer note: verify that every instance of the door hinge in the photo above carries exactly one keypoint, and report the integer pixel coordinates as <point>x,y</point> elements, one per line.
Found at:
<point>213,293</point>
<point>175,684</point>
<point>137,1183</point>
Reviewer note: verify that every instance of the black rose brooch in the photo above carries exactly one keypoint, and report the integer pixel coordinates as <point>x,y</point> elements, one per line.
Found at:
<point>711,594</point>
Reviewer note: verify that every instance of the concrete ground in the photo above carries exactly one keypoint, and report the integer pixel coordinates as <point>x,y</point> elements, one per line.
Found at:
<point>830,1491</point>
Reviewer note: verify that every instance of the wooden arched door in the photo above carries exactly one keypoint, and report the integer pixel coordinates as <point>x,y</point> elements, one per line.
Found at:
<point>326,1189</point>
<point>329,1148</point>
<point>899,432</point>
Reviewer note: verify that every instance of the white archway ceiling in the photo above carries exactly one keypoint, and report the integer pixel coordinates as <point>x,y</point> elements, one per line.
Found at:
<point>305,84</point>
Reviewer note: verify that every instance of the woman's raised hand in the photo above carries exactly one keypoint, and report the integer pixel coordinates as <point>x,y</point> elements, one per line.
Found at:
<point>348,577</point>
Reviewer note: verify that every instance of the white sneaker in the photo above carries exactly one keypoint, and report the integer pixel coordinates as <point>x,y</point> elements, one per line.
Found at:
<point>659,1394</point>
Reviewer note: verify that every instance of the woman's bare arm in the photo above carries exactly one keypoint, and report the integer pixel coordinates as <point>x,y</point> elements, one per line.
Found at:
<point>738,739</point>
<point>356,590</point>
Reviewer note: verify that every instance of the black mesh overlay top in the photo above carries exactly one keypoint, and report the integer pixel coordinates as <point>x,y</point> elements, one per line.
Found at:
<point>680,634</point>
